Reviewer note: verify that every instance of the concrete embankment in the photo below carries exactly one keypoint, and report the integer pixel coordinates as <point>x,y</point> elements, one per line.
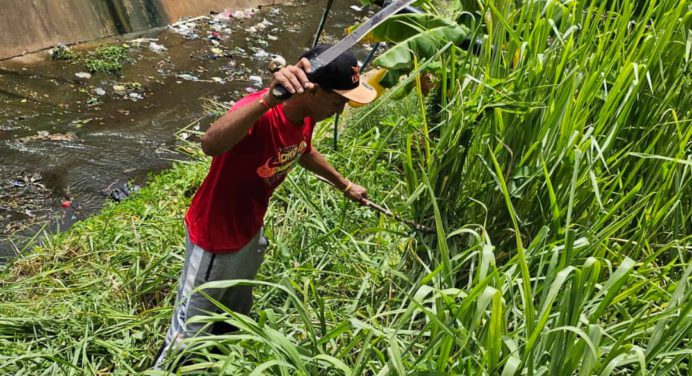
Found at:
<point>29,26</point>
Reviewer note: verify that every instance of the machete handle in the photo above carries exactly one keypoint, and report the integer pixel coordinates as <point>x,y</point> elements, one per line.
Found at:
<point>279,92</point>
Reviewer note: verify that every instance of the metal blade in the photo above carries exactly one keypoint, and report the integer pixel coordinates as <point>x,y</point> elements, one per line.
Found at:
<point>350,40</point>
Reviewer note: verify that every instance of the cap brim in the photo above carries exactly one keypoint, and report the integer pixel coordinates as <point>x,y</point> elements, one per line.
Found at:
<point>362,94</point>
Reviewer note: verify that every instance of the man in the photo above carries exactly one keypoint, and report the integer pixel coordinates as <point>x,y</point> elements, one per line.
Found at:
<point>254,146</point>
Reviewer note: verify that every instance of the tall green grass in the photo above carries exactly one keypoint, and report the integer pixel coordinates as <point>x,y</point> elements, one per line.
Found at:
<point>557,175</point>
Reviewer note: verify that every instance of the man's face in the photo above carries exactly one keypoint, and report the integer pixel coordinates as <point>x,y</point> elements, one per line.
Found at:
<point>327,103</point>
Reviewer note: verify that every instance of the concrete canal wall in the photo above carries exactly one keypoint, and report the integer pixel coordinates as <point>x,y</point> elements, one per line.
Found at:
<point>32,25</point>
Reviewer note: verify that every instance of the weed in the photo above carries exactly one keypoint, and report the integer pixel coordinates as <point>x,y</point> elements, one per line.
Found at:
<point>107,59</point>
<point>61,52</point>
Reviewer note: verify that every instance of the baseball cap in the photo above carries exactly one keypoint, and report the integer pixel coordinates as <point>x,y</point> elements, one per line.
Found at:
<point>342,75</point>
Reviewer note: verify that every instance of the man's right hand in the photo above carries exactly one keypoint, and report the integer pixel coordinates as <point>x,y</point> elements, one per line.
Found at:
<point>294,78</point>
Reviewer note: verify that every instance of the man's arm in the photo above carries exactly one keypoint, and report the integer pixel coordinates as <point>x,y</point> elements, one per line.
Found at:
<point>315,162</point>
<point>232,127</point>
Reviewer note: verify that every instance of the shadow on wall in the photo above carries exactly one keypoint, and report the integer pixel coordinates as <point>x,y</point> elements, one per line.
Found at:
<point>33,25</point>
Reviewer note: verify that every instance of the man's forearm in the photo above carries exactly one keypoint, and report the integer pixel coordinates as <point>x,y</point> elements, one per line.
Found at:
<point>315,162</point>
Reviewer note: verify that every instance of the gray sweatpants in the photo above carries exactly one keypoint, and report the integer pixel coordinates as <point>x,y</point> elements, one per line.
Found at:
<point>201,267</point>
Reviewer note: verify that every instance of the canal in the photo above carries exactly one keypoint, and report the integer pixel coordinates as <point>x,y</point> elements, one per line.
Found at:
<point>70,141</point>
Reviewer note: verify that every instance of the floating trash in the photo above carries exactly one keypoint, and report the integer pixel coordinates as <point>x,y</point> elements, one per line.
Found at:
<point>188,77</point>
<point>79,123</point>
<point>84,75</point>
<point>100,91</point>
<point>261,54</point>
<point>140,41</point>
<point>224,16</point>
<point>243,14</point>
<point>255,81</point>
<point>263,25</point>
<point>158,48</point>
<point>119,190</point>
<point>185,29</point>
<point>119,89</point>
<point>47,136</point>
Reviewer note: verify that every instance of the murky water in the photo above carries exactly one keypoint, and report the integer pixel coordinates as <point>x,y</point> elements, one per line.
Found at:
<point>65,141</point>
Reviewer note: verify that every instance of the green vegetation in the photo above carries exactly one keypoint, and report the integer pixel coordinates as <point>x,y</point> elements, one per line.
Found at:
<point>107,59</point>
<point>61,52</point>
<point>555,168</point>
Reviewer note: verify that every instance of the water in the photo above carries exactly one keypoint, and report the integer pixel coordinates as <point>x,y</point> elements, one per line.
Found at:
<point>62,144</point>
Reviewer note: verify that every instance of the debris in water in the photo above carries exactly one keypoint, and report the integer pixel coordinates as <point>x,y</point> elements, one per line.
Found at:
<point>66,204</point>
<point>120,89</point>
<point>139,41</point>
<point>158,48</point>
<point>93,101</point>
<point>136,97</point>
<point>217,52</point>
<point>245,13</point>
<point>84,75</point>
<point>255,81</point>
<point>185,29</point>
<point>46,136</point>
<point>356,8</point>
<point>263,25</point>
<point>188,77</point>
<point>218,80</point>
<point>99,91</point>
<point>119,190</point>
<point>261,54</point>
<point>80,123</point>
<point>224,16</point>
<point>215,36</point>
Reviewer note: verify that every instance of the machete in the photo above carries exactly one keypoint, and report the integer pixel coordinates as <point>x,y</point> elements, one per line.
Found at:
<point>279,92</point>
<point>387,212</point>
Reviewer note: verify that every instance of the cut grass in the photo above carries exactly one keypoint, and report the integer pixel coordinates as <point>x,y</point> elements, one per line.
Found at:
<point>559,185</point>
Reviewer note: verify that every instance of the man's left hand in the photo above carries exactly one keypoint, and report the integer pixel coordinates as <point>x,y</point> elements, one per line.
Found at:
<point>357,193</point>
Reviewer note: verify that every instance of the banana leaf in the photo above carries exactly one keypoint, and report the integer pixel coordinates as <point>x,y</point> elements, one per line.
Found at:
<point>419,35</point>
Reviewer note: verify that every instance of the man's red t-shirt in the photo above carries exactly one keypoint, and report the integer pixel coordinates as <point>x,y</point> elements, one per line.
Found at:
<point>229,207</point>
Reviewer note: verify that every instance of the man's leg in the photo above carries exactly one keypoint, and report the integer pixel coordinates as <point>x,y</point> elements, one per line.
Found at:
<point>201,267</point>
<point>241,265</point>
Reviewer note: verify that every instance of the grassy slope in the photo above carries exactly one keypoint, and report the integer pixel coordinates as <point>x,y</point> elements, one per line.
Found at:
<point>575,152</point>
<point>98,297</point>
